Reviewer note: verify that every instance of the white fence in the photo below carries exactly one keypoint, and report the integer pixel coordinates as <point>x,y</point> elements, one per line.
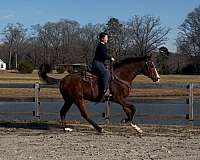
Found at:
<point>36,99</point>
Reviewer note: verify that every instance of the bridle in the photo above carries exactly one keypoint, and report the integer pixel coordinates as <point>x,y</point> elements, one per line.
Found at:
<point>146,67</point>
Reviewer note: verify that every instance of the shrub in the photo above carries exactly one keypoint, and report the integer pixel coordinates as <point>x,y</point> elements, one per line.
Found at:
<point>164,69</point>
<point>25,67</point>
<point>60,69</point>
<point>189,69</point>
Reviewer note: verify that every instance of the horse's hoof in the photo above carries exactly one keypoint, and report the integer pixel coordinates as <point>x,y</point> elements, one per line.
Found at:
<point>100,130</point>
<point>124,121</point>
<point>138,129</point>
<point>103,131</point>
<point>68,129</point>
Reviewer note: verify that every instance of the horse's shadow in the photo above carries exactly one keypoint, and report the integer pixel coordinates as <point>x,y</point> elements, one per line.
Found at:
<point>29,125</point>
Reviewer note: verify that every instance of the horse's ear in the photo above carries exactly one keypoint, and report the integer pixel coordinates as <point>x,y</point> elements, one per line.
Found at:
<point>148,56</point>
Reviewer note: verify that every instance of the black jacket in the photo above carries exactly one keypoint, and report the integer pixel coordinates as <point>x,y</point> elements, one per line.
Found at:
<point>101,53</point>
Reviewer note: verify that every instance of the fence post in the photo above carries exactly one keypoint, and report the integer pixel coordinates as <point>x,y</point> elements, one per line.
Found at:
<point>107,112</point>
<point>37,103</point>
<point>191,114</point>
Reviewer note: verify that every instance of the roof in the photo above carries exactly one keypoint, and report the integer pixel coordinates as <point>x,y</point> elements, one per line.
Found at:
<point>74,64</point>
<point>1,61</point>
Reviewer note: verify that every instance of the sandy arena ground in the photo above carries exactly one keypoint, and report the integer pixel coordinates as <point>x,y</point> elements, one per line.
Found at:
<point>121,142</point>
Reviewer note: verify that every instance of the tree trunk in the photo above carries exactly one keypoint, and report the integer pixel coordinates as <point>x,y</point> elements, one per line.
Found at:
<point>16,61</point>
<point>10,59</point>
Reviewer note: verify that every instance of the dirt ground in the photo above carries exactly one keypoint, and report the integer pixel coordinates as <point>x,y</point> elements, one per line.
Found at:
<point>120,142</point>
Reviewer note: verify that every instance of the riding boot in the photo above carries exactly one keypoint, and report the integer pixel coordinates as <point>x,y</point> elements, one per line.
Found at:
<point>104,96</point>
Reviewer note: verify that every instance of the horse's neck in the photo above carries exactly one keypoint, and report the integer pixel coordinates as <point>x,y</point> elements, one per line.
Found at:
<point>128,72</point>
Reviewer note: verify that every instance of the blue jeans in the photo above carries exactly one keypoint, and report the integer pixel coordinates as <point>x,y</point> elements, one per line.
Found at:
<point>103,75</point>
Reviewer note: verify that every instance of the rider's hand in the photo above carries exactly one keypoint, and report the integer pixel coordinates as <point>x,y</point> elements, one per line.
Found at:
<point>112,59</point>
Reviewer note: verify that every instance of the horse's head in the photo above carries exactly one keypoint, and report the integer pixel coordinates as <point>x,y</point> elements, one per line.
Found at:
<point>128,68</point>
<point>151,71</point>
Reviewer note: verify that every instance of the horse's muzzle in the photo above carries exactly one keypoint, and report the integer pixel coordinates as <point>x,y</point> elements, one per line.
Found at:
<point>156,79</point>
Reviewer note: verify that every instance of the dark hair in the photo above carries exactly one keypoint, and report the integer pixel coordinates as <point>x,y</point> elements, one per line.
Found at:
<point>102,35</point>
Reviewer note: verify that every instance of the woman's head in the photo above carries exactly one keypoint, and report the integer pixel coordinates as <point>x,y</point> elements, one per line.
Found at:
<point>103,37</point>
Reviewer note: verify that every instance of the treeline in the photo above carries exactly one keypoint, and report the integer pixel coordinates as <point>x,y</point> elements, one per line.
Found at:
<point>66,41</point>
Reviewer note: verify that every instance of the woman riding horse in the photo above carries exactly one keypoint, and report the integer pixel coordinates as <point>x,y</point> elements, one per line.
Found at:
<point>98,66</point>
<point>75,89</point>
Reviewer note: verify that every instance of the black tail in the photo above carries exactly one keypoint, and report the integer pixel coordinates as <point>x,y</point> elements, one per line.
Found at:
<point>43,70</point>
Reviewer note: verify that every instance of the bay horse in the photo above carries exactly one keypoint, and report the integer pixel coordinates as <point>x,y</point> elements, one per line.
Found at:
<point>76,88</point>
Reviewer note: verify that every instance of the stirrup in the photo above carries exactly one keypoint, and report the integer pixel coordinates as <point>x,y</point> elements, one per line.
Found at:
<point>107,95</point>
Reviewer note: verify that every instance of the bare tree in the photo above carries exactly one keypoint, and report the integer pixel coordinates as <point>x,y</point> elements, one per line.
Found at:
<point>70,40</point>
<point>89,38</point>
<point>54,34</point>
<point>34,52</point>
<point>66,41</point>
<point>188,41</point>
<point>60,41</point>
<point>14,38</point>
<point>41,34</point>
<point>114,29</point>
<point>146,33</point>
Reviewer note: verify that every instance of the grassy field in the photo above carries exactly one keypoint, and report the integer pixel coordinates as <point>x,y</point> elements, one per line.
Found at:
<point>13,77</point>
<point>171,79</point>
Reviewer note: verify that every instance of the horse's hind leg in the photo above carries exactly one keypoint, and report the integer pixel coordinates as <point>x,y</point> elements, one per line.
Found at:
<point>81,106</point>
<point>64,110</point>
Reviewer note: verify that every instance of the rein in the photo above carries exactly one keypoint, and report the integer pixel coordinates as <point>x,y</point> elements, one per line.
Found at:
<point>123,82</point>
<point>114,77</point>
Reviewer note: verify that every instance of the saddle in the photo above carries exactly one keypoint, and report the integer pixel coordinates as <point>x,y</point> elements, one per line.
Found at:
<point>88,76</point>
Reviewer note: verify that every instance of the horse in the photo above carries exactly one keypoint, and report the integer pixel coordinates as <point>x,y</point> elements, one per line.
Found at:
<point>77,87</point>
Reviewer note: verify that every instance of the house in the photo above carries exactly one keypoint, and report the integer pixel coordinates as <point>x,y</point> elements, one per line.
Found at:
<point>2,65</point>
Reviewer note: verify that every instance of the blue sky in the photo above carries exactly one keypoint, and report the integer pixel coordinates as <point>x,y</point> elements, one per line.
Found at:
<point>29,12</point>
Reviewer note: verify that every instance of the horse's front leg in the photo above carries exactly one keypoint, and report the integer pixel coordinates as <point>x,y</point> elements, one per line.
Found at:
<point>129,109</point>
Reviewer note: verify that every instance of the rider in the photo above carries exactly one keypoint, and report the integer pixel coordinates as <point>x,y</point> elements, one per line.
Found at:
<point>98,66</point>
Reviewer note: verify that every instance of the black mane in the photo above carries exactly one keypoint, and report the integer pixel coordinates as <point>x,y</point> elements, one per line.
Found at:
<point>129,60</point>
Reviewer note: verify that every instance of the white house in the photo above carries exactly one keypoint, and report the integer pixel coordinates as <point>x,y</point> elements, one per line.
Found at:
<point>2,65</point>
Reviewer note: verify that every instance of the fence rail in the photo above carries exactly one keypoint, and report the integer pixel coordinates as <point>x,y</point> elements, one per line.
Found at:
<point>134,85</point>
<point>164,85</point>
<point>36,99</point>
